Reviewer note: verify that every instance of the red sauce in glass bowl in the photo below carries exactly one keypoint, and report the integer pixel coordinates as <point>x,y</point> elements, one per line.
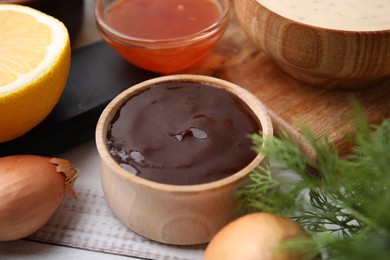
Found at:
<point>165,36</point>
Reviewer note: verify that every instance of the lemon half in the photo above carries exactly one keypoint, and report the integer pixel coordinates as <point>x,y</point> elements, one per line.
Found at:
<point>34,67</point>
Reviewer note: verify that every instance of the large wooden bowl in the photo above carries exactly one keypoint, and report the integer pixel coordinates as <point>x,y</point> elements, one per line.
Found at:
<point>330,58</point>
<point>173,214</point>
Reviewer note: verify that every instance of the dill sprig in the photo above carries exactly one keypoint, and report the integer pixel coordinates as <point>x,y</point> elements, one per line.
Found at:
<point>345,204</point>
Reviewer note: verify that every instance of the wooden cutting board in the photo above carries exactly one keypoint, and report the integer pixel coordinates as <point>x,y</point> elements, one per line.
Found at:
<point>291,103</point>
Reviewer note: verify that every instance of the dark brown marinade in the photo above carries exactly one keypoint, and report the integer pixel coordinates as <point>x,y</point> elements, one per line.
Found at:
<point>182,133</point>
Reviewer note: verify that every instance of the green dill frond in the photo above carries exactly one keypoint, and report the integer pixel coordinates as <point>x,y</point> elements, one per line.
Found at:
<point>345,205</point>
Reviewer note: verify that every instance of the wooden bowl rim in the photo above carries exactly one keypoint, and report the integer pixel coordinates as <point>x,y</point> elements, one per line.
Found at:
<point>257,108</point>
<point>291,21</point>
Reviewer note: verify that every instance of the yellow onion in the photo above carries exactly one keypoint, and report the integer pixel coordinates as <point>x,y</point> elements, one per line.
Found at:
<point>256,236</point>
<point>31,189</point>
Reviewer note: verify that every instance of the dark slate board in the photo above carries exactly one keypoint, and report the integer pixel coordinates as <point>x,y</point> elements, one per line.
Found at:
<point>97,75</point>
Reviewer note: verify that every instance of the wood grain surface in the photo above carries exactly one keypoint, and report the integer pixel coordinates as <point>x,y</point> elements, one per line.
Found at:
<point>332,59</point>
<point>291,103</point>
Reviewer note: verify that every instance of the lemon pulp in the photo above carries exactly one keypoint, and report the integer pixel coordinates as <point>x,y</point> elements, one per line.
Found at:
<point>34,66</point>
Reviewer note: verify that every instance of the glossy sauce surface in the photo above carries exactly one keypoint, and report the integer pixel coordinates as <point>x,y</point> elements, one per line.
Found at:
<point>166,36</point>
<point>353,15</point>
<point>182,133</point>
<point>161,19</point>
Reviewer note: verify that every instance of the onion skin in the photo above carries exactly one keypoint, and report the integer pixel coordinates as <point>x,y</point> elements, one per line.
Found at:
<point>31,189</point>
<point>255,236</point>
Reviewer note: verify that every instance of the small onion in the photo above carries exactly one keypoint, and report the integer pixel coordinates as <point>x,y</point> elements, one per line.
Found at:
<point>31,189</point>
<point>255,236</point>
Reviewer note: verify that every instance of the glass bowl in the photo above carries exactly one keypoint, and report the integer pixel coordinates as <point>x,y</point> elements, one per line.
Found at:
<point>164,54</point>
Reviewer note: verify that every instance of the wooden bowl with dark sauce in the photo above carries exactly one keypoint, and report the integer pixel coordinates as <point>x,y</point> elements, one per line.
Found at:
<point>174,150</point>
